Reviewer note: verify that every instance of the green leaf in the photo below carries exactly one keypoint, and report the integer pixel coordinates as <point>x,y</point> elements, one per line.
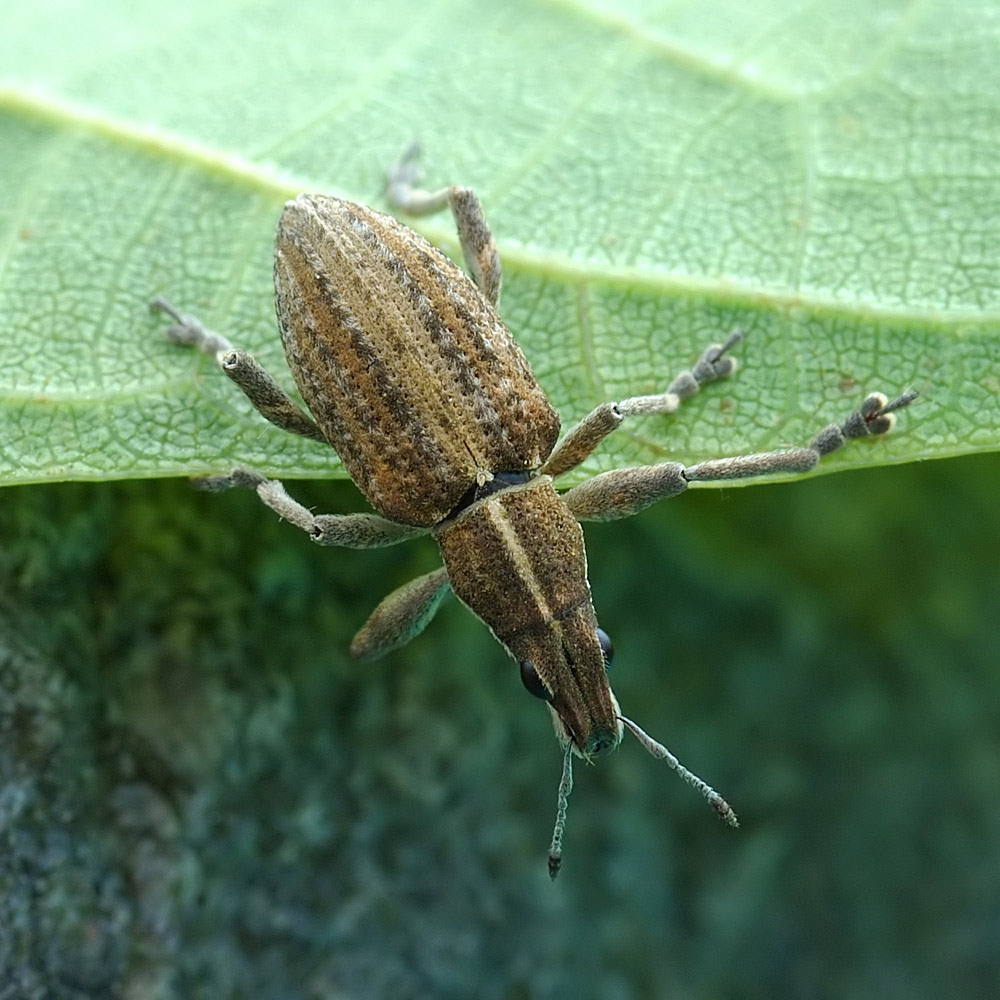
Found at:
<point>823,175</point>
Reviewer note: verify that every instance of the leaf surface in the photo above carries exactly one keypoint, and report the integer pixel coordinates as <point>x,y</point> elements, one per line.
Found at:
<point>823,175</point>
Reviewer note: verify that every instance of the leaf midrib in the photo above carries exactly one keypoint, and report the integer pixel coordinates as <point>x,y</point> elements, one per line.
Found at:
<point>565,270</point>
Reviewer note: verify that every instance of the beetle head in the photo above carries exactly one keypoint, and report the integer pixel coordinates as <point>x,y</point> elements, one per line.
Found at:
<point>564,663</point>
<point>568,672</point>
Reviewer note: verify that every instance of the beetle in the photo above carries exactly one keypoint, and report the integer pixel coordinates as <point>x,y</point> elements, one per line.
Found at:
<point>410,375</point>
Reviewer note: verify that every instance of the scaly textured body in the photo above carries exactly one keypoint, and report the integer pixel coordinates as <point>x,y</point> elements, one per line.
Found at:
<point>517,560</point>
<point>420,392</point>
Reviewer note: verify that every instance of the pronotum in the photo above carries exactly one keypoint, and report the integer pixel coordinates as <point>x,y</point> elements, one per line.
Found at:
<point>412,378</point>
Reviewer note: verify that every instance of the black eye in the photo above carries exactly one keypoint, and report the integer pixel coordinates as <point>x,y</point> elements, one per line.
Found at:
<point>607,646</point>
<point>531,680</point>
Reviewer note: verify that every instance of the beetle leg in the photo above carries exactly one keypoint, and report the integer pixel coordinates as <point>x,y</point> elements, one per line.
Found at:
<point>260,387</point>
<point>478,247</point>
<point>401,616</point>
<point>353,531</point>
<point>623,492</point>
<point>582,439</point>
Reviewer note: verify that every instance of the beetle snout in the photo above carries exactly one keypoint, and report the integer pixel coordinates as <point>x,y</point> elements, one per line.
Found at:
<point>600,742</point>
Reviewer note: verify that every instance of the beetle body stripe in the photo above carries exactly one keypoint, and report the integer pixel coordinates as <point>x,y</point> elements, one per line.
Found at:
<point>517,560</point>
<point>406,367</point>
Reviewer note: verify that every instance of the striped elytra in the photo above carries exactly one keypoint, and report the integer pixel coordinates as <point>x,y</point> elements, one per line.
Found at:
<point>405,366</point>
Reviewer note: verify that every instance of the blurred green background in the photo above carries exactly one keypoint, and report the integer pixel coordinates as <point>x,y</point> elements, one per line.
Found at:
<point>204,797</point>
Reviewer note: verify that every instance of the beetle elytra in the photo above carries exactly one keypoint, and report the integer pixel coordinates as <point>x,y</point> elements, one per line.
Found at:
<point>411,377</point>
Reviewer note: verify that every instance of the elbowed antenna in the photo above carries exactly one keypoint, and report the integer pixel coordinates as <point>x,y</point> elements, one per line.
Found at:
<point>715,800</point>
<point>565,787</point>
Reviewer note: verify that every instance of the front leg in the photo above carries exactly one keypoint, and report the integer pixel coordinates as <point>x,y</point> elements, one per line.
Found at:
<point>402,616</point>
<point>406,611</point>
<point>353,531</point>
<point>624,492</point>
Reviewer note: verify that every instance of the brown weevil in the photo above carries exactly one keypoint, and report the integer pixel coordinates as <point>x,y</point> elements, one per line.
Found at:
<point>412,378</point>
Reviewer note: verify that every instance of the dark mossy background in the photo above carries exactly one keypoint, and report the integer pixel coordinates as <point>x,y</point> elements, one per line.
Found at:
<point>202,797</point>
